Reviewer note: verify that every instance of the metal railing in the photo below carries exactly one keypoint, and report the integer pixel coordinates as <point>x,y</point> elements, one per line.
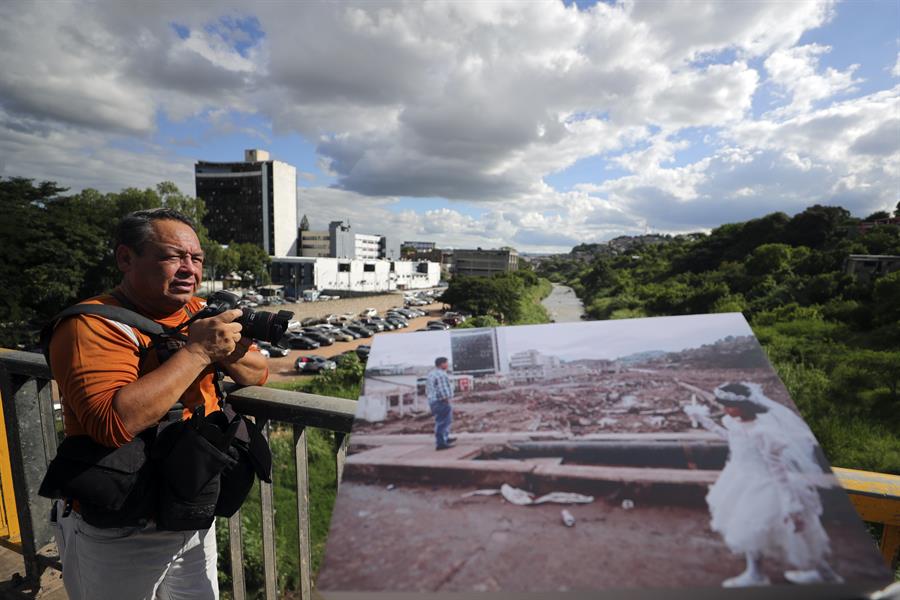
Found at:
<point>32,435</point>
<point>31,425</point>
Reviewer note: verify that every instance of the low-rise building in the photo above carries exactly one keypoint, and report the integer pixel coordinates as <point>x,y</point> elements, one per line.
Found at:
<point>419,246</point>
<point>314,243</point>
<point>869,266</point>
<point>341,241</point>
<point>484,263</point>
<point>355,276</point>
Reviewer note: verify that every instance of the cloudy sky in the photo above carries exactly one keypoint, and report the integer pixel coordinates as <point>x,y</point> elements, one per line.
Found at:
<point>535,124</point>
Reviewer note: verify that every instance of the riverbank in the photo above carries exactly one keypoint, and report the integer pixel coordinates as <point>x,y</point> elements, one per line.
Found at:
<point>563,305</point>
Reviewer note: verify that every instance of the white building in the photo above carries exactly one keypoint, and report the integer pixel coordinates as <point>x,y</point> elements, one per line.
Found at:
<point>531,366</point>
<point>532,358</point>
<point>298,274</point>
<point>341,241</point>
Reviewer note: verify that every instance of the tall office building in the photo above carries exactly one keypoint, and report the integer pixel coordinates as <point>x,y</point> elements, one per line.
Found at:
<point>254,201</point>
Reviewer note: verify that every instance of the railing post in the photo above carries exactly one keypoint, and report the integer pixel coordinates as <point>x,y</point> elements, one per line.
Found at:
<point>341,442</point>
<point>28,415</point>
<point>235,541</point>
<point>301,459</point>
<point>267,519</point>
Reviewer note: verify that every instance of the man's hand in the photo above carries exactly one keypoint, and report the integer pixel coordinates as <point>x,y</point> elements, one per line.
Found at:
<point>215,338</point>
<point>240,349</point>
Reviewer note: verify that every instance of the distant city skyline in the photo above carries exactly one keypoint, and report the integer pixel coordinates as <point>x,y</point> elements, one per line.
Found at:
<point>536,125</point>
<point>591,340</point>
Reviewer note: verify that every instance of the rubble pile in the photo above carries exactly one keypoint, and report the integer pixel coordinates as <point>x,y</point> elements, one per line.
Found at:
<point>635,400</point>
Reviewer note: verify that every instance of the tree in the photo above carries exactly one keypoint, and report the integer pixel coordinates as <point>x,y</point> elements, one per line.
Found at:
<point>22,231</point>
<point>252,263</point>
<point>193,208</point>
<point>816,226</point>
<point>769,259</point>
<point>497,296</point>
<point>886,297</point>
<point>878,215</point>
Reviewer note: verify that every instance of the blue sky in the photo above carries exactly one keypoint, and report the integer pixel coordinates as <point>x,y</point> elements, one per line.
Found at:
<point>538,125</point>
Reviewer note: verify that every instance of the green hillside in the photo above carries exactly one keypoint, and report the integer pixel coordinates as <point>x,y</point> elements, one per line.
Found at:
<point>833,338</point>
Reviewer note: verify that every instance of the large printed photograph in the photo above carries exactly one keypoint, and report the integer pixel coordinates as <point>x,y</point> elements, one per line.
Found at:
<point>641,454</point>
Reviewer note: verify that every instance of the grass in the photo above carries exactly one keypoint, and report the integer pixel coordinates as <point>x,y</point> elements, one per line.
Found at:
<point>533,311</point>
<point>322,492</point>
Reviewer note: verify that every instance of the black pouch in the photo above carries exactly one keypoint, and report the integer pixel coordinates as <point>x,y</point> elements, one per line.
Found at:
<point>102,477</point>
<point>190,464</point>
<point>252,457</point>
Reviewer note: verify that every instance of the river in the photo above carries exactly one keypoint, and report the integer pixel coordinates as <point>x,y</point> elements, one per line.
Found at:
<point>563,305</point>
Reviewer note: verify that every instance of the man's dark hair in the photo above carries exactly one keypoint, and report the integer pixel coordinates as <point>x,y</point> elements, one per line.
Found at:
<point>440,360</point>
<point>135,229</point>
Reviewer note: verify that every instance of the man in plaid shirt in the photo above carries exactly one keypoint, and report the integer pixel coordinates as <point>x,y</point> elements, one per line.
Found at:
<point>440,391</point>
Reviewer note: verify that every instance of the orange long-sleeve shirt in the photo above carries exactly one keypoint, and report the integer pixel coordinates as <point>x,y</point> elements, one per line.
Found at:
<point>93,357</point>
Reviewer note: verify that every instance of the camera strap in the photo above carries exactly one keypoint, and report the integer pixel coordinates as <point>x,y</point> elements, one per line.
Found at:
<point>171,340</point>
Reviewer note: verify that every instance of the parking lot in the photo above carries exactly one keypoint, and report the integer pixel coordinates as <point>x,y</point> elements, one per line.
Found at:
<point>282,369</point>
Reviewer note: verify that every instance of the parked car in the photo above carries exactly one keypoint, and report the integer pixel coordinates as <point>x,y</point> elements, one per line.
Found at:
<point>362,351</point>
<point>314,364</point>
<point>370,324</point>
<point>361,330</point>
<point>436,327</point>
<point>319,336</point>
<point>399,322</point>
<point>340,335</point>
<point>351,333</point>
<point>272,350</point>
<point>406,316</point>
<point>388,326</point>
<point>369,312</point>
<point>452,321</point>
<point>297,341</point>
<point>440,324</point>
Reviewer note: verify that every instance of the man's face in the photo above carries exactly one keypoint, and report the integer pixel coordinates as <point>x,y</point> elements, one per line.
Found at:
<point>164,274</point>
<point>444,365</point>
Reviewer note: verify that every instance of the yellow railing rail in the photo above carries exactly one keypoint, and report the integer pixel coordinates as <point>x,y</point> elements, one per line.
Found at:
<point>876,497</point>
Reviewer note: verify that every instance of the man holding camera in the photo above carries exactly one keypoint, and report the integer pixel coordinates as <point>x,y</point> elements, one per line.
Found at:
<point>113,389</point>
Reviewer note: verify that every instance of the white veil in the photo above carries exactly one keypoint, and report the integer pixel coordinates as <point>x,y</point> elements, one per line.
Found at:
<point>800,451</point>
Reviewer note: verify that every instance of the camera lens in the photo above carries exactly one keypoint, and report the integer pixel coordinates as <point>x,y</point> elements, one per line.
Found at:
<point>265,326</point>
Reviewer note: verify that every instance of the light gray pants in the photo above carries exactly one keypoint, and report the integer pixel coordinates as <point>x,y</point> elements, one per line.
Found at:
<point>135,563</point>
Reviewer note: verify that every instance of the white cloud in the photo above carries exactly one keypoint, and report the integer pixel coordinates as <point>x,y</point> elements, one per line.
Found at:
<point>478,102</point>
<point>795,70</point>
<point>691,29</point>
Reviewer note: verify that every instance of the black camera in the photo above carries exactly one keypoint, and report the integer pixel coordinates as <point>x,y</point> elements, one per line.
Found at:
<point>256,324</point>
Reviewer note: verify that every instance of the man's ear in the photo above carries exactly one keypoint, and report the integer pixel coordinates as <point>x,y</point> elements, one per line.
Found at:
<point>124,258</point>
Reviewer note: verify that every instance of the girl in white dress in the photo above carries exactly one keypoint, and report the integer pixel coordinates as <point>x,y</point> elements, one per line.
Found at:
<point>765,502</point>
